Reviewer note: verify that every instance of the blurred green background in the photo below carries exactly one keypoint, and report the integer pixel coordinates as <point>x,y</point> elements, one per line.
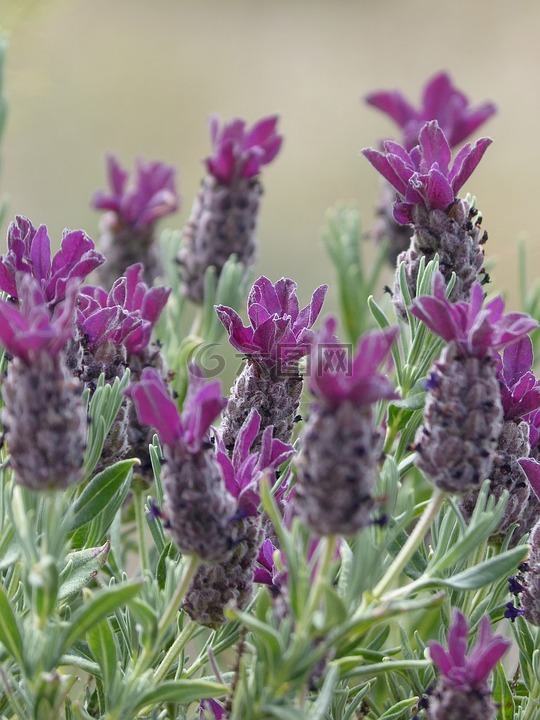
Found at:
<point>140,78</point>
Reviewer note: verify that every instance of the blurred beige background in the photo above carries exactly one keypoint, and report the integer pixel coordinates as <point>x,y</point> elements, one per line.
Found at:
<point>139,77</point>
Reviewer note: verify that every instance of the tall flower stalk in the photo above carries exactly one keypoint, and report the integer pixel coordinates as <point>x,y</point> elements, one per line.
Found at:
<point>426,185</point>
<point>224,216</point>
<point>441,101</point>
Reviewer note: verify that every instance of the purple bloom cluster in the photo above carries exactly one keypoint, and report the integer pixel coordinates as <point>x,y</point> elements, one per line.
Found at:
<point>32,327</point>
<point>126,315</point>
<point>150,196</point>
<point>467,671</point>
<point>360,383</point>
<point>242,471</point>
<point>239,151</point>
<point>441,101</point>
<point>29,253</point>
<point>477,329</point>
<point>156,408</point>
<point>279,331</point>
<point>423,176</point>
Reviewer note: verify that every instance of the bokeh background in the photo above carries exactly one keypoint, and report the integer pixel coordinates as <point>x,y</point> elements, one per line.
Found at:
<point>140,77</point>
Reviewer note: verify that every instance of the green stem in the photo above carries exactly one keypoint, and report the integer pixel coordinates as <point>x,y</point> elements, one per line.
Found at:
<point>174,651</point>
<point>329,545</point>
<point>412,544</point>
<point>141,535</point>
<point>169,615</point>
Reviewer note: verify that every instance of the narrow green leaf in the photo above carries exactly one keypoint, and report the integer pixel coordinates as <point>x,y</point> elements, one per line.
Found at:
<point>281,713</point>
<point>103,646</point>
<point>502,695</point>
<point>181,692</point>
<point>326,693</point>
<point>81,568</point>
<point>98,607</point>
<point>99,492</point>
<point>396,712</point>
<point>10,634</point>
<point>486,572</point>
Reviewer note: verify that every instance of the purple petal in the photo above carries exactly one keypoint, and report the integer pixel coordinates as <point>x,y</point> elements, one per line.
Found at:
<point>532,471</point>
<point>240,337</point>
<point>461,172</point>
<point>155,408</point>
<point>517,359</point>
<point>393,104</point>
<point>435,148</point>
<point>381,163</point>
<point>41,254</point>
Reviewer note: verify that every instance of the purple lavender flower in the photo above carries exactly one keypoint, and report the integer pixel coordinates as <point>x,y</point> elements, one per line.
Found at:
<point>198,506</point>
<point>224,216</point>
<point>133,210</point>
<point>29,253</point>
<point>278,336</point>
<point>441,101</point>
<point>463,416</point>
<point>43,413</point>
<point>477,330</point>
<point>340,444</point>
<point>231,581</point>
<point>279,333</point>
<point>462,690</point>
<point>423,177</point>
<point>520,396</point>
<point>426,186</point>
<point>238,152</point>
<point>210,709</point>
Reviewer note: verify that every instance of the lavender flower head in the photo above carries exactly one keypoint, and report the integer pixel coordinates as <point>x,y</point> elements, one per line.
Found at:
<point>477,330</point>
<point>279,333</point>
<point>424,176</point>
<point>133,210</point>
<point>426,184</point>
<point>441,101</point>
<point>198,506</point>
<point>43,413</point>
<point>520,396</point>
<point>340,444</point>
<point>450,108</point>
<point>29,253</point>
<point>463,415</point>
<point>239,152</point>
<point>520,389</point>
<point>231,581</point>
<point>224,215</point>
<point>462,689</point>
<point>278,336</point>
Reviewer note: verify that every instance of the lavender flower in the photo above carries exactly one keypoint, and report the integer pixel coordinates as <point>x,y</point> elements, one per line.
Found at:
<point>210,709</point>
<point>462,689</point>
<point>441,101</point>
<point>520,395</point>
<point>278,336</point>
<point>198,506</point>
<point>426,186</point>
<point>29,253</point>
<point>224,215</point>
<point>138,300</point>
<point>43,413</point>
<point>340,444</point>
<point>463,415</point>
<point>231,581</point>
<point>128,228</point>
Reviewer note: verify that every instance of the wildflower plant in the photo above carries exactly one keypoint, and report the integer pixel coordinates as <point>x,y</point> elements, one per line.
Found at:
<point>251,556</point>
